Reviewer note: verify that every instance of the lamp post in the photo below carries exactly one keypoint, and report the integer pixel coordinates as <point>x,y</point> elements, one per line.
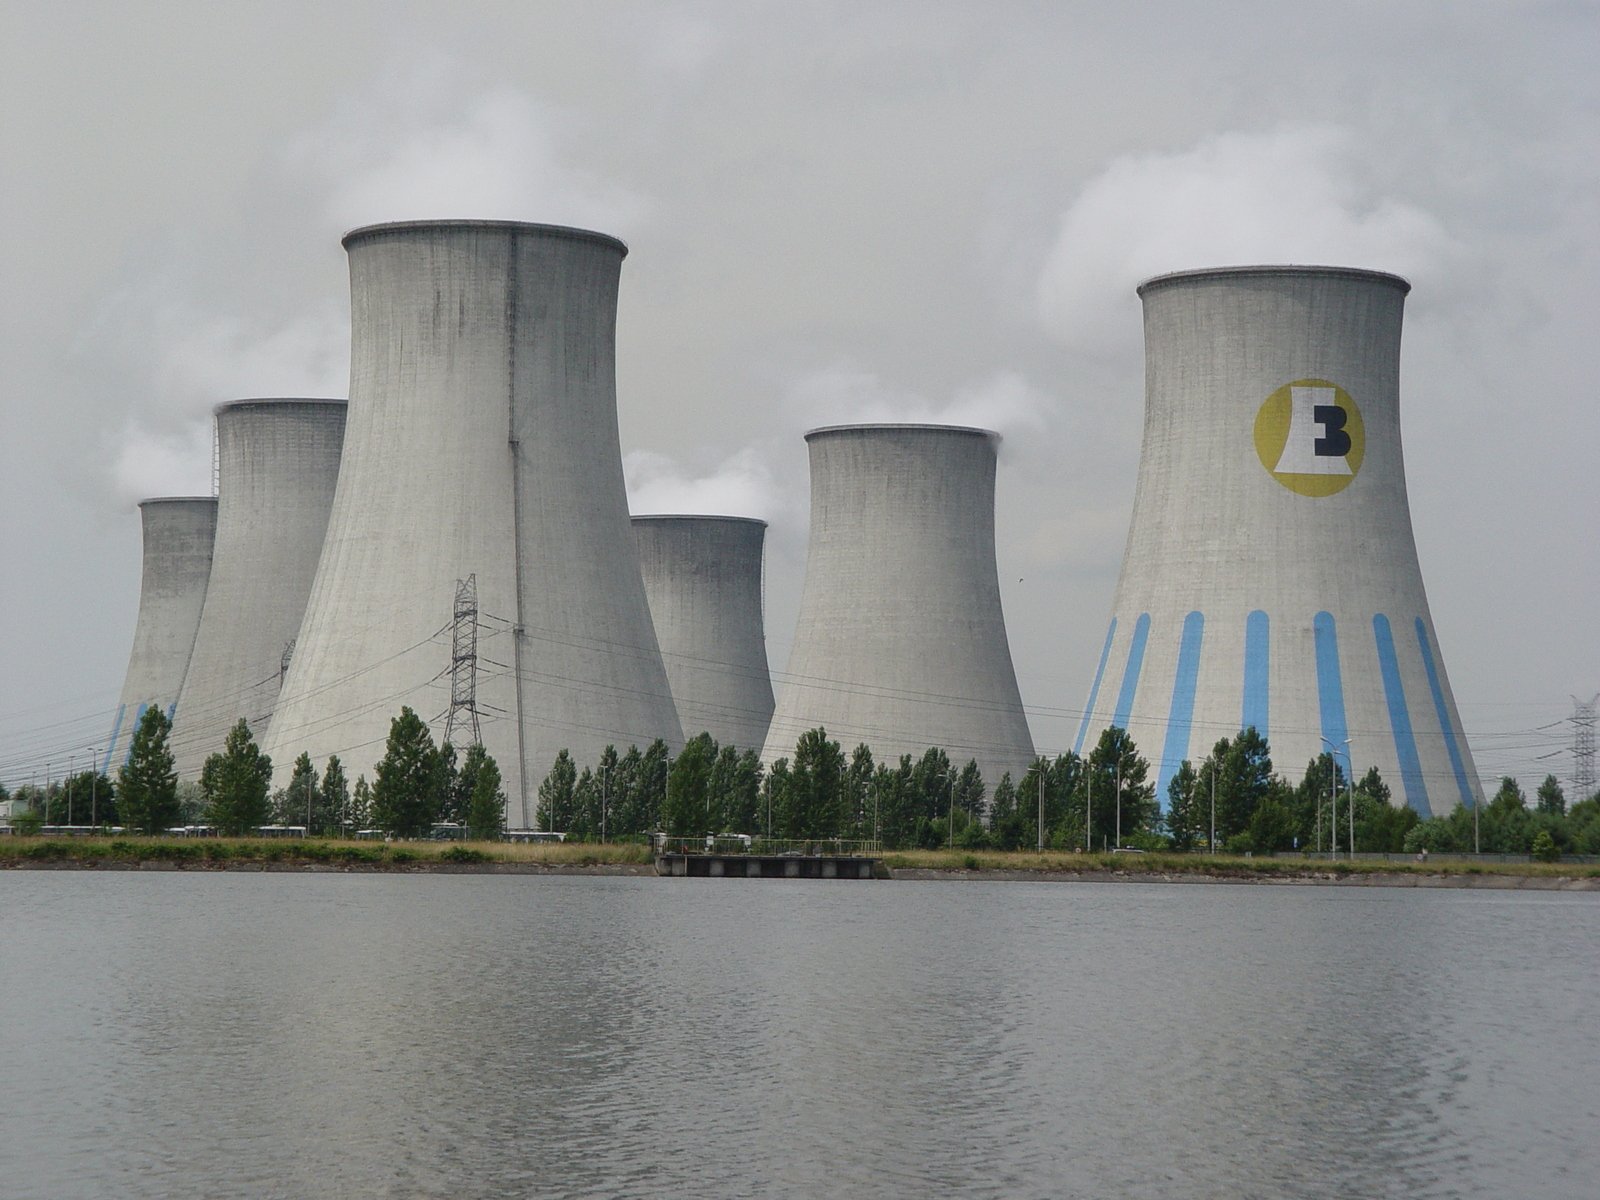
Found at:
<point>1213,842</point>
<point>605,798</point>
<point>94,781</point>
<point>1119,802</point>
<point>1040,847</point>
<point>1333,794</point>
<point>72,763</point>
<point>950,833</point>
<point>1088,808</point>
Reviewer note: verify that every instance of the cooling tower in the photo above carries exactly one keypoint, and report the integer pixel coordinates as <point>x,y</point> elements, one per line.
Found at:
<point>1271,577</point>
<point>702,576</point>
<point>901,642</point>
<point>482,440</point>
<point>277,464</point>
<point>179,533</point>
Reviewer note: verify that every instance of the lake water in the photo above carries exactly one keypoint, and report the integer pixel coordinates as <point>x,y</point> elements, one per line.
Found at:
<point>187,1034</point>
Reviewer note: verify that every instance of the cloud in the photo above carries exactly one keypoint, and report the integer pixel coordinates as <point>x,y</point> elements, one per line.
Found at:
<point>743,485</point>
<point>1290,195</point>
<point>844,394</point>
<point>421,144</point>
<point>180,356</point>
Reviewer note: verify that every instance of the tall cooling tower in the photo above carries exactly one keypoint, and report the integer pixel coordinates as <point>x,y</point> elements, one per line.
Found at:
<point>482,441</point>
<point>901,642</point>
<point>277,464</point>
<point>179,533</point>
<point>702,576</point>
<point>1271,577</point>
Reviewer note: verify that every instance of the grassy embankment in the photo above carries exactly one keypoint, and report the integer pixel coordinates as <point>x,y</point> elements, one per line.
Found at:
<point>221,853</point>
<point>254,852</point>
<point>1056,863</point>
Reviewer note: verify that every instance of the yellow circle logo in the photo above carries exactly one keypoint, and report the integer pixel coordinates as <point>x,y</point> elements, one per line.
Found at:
<point>1310,438</point>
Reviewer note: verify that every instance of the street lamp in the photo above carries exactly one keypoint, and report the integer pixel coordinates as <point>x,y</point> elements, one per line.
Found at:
<point>1119,802</point>
<point>1213,843</point>
<point>605,798</point>
<point>1333,795</point>
<point>1041,807</point>
<point>950,834</point>
<point>94,780</point>
<point>72,762</point>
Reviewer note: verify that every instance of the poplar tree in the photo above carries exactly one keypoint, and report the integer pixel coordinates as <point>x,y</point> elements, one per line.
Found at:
<point>486,811</point>
<point>333,800</point>
<point>147,785</point>
<point>411,779</point>
<point>235,784</point>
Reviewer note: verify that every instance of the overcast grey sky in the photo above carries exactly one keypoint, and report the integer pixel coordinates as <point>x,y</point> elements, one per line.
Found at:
<point>837,212</point>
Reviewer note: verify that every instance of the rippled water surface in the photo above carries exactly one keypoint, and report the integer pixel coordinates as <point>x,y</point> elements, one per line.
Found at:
<point>169,1034</point>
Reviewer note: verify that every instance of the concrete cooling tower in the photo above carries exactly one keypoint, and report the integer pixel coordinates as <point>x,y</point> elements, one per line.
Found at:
<point>482,441</point>
<point>277,464</point>
<point>1271,577</point>
<point>179,533</point>
<point>901,642</point>
<point>702,576</point>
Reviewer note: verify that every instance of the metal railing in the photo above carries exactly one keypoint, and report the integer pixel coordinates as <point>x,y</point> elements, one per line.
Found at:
<point>769,847</point>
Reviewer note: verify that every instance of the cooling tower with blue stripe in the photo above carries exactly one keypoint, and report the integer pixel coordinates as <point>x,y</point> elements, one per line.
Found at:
<point>1271,576</point>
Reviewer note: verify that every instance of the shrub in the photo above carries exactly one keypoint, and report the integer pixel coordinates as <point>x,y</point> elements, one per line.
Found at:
<point>463,854</point>
<point>1544,847</point>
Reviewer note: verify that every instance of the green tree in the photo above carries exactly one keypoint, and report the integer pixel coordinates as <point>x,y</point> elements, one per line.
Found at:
<point>361,804</point>
<point>333,799</point>
<point>928,797</point>
<point>629,807</point>
<point>555,810</point>
<point>1183,818</point>
<point>297,802</point>
<point>87,798</point>
<point>857,799</point>
<point>1550,798</point>
<point>815,793</point>
<point>687,811</point>
<point>410,780</point>
<point>1007,823</point>
<point>735,791</point>
<point>1381,826</point>
<point>775,799</point>
<point>236,782</point>
<point>970,792</point>
<point>1243,767</point>
<point>486,812</point>
<point>147,785</point>
<point>1119,776</point>
<point>654,765</point>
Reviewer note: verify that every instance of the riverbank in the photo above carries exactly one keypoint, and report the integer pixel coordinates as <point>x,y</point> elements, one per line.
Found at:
<point>501,858</point>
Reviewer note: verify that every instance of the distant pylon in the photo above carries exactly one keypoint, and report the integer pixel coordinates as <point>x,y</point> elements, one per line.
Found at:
<point>284,659</point>
<point>1583,719</point>
<point>463,713</point>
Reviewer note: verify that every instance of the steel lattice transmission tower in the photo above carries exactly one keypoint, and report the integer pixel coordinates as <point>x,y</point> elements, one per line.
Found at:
<point>463,713</point>
<point>1583,719</point>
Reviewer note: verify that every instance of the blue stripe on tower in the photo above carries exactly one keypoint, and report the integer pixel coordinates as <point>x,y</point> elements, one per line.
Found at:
<point>116,732</point>
<point>1180,717</point>
<point>1330,688</point>
<point>1439,707</point>
<point>1257,657</point>
<point>1405,741</point>
<point>1130,675</point>
<point>1094,690</point>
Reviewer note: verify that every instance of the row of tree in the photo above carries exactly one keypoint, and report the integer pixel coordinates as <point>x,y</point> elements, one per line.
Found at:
<point>1232,800</point>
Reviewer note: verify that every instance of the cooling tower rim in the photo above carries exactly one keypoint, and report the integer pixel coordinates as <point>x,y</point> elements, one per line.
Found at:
<point>176,500</point>
<point>899,427</point>
<point>697,517</point>
<point>571,232</point>
<point>1171,277</point>
<point>274,401</point>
